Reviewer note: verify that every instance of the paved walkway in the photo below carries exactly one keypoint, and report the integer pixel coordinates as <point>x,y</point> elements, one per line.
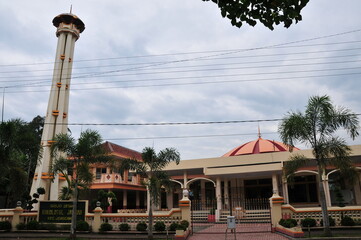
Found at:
<point>239,236</point>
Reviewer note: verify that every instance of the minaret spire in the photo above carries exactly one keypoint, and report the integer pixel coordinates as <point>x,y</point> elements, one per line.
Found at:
<point>71,8</point>
<point>68,31</point>
<point>259,132</point>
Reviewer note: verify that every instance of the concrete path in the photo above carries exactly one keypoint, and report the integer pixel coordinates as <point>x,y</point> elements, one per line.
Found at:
<point>239,236</point>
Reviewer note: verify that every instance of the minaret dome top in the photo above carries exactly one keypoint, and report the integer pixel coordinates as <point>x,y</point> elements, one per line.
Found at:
<point>69,18</point>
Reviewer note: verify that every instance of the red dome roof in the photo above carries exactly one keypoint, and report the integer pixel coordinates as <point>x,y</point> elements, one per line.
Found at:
<point>258,146</point>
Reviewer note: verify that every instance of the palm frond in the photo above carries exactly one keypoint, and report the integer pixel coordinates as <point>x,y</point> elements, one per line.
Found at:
<point>348,120</point>
<point>295,162</point>
<point>294,127</point>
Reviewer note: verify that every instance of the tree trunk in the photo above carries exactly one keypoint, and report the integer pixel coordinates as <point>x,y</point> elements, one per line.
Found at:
<point>326,222</point>
<point>74,211</point>
<point>150,221</point>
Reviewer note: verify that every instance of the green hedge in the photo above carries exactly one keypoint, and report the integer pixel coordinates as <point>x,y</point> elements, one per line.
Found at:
<point>5,225</point>
<point>288,223</point>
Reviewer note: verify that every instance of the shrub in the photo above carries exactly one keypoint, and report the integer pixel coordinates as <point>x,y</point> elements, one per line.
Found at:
<point>173,226</point>
<point>21,226</point>
<point>288,223</point>
<point>124,227</point>
<point>5,225</point>
<point>82,226</point>
<point>185,223</point>
<point>347,221</point>
<point>159,226</point>
<point>181,227</point>
<point>308,222</point>
<point>64,227</point>
<point>33,225</point>
<point>142,226</point>
<point>48,226</point>
<point>330,220</point>
<point>105,227</point>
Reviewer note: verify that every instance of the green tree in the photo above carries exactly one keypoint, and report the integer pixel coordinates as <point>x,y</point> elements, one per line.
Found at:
<point>316,128</point>
<point>151,168</point>
<point>82,153</point>
<point>19,150</point>
<point>268,12</point>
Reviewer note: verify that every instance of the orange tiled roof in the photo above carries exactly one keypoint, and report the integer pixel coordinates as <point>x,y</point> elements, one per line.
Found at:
<point>122,152</point>
<point>258,146</point>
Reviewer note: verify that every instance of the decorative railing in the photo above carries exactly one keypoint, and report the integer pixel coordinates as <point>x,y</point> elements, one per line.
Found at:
<point>26,217</point>
<point>115,219</point>
<point>115,178</point>
<point>315,212</point>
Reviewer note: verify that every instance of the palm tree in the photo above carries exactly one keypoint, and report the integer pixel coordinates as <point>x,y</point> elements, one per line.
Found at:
<point>87,150</point>
<point>316,128</point>
<point>151,168</point>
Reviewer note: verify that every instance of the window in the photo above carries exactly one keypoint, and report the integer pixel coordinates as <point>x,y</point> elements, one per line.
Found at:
<point>303,189</point>
<point>99,172</point>
<point>130,176</point>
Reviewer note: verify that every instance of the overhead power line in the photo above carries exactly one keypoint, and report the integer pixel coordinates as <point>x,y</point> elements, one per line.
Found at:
<point>231,51</point>
<point>208,59</point>
<point>174,123</point>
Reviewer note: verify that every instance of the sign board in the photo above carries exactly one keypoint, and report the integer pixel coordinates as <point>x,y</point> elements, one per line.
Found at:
<point>60,211</point>
<point>231,222</point>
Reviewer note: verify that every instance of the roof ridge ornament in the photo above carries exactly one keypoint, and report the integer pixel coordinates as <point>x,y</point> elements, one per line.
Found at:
<point>259,132</point>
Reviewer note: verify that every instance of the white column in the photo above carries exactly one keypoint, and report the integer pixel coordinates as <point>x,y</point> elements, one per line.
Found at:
<point>170,199</point>
<point>185,179</point>
<point>285,191</point>
<point>275,184</point>
<point>327,190</point>
<point>226,197</point>
<point>218,193</point>
<point>148,200</point>
<point>125,199</point>
<point>218,197</point>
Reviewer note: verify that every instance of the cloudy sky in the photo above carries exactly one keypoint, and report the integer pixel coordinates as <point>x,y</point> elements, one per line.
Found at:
<point>156,61</point>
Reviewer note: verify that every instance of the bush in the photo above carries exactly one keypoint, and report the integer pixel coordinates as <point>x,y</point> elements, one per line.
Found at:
<point>21,226</point>
<point>65,227</point>
<point>288,223</point>
<point>330,220</point>
<point>48,226</point>
<point>5,225</point>
<point>185,223</point>
<point>105,227</point>
<point>347,221</point>
<point>308,222</point>
<point>181,227</point>
<point>142,226</point>
<point>33,225</point>
<point>124,227</point>
<point>159,226</point>
<point>173,226</point>
<point>82,226</point>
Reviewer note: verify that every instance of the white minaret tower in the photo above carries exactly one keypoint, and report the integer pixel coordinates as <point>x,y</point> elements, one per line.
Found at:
<point>68,31</point>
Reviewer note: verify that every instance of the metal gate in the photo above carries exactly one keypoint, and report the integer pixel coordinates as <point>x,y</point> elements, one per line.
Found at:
<point>252,215</point>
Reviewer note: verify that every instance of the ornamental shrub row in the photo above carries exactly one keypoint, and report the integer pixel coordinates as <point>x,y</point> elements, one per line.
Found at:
<point>311,222</point>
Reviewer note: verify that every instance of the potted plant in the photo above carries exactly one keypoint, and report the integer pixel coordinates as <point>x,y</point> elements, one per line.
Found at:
<point>212,215</point>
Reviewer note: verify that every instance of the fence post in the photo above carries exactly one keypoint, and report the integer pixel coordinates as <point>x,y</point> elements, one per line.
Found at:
<point>16,217</point>
<point>185,206</point>
<point>97,220</point>
<point>276,202</point>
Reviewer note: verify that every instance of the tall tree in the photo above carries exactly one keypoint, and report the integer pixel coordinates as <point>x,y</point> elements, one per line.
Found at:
<point>84,152</point>
<point>19,149</point>
<point>316,128</point>
<point>268,12</point>
<point>151,168</point>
